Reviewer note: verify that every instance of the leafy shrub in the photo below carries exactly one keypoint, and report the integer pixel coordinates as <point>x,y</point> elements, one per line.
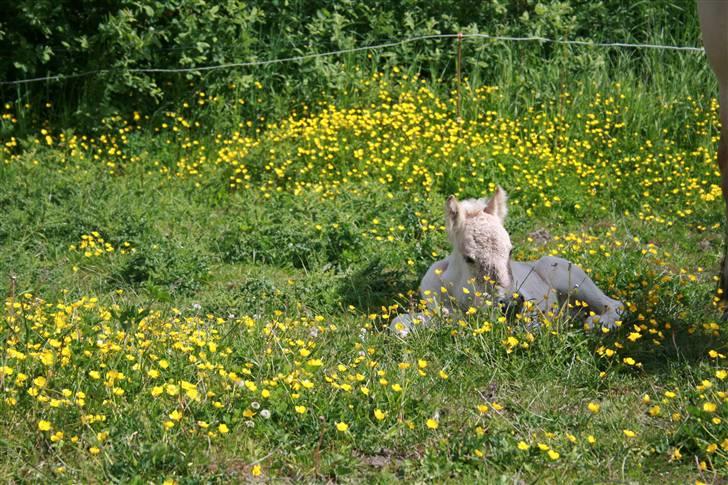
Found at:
<point>42,37</point>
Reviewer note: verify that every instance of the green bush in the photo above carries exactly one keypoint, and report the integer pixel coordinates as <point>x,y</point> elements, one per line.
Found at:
<point>41,37</point>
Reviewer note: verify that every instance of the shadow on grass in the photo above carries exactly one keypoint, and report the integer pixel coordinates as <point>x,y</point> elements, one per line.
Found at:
<point>693,332</point>
<point>375,286</point>
<point>681,347</point>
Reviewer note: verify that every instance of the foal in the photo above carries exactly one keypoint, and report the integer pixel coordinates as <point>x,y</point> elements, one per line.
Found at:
<point>479,271</point>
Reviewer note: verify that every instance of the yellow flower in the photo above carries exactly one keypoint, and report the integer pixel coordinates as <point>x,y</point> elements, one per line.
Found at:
<point>591,439</point>
<point>300,409</point>
<point>523,446</point>
<point>554,455</point>
<point>709,407</point>
<point>634,336</point>
<point>223,429</point>
<point>175,415</point>
<point>44,425</point>
<point>721,374</point>
<point>379,414</point>
<point>256,471</point>
<point>593,407</point>
<point>396,388</point>
<point>629,433</point>
<point>192,393</point>
<point>94,450</point>
<point>46,357</point>
<point>432,424</point>
<point>342,426</point>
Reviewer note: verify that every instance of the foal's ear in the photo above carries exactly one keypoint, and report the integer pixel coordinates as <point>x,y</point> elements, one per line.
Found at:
<point>452,209</point>
<point>497,205</point>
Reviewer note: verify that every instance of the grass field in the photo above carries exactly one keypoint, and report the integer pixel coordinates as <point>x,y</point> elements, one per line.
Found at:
<point>192,303</point>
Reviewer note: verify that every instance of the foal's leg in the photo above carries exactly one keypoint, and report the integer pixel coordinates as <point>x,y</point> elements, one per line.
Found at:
<point>571,281</point>
<point>714,25</point>
<point>405,323</point>
<point>430,289</point>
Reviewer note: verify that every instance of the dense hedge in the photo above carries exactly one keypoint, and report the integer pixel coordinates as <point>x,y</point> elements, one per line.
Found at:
<point>49,37</point>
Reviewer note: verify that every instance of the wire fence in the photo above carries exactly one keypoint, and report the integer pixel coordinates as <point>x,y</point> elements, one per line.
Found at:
<point>386,45</point>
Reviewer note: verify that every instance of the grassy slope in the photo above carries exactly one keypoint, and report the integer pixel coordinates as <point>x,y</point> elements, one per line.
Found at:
<point>310,227</point>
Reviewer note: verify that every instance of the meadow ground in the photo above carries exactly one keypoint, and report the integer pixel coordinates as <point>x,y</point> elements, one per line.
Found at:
<point>191,303</point>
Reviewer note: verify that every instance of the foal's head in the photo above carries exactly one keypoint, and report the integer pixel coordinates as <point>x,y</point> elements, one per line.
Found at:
<point>475,229</point>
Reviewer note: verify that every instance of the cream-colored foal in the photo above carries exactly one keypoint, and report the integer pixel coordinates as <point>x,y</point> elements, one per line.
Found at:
<point>479,271</point>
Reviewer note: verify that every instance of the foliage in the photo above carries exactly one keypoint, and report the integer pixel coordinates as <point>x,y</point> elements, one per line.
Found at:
<point>74,38</point>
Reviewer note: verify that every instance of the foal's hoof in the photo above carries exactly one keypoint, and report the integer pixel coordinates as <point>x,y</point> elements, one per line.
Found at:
<point>607,321</point>
<point>404,324</point>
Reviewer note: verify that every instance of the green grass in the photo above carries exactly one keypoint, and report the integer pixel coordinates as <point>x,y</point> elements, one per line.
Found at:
<point>250,244</point>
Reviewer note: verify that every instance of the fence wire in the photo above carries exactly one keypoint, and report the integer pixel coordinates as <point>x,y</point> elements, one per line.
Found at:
<point>582,43</point>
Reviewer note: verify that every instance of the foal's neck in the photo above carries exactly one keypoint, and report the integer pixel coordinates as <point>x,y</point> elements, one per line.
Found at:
<point>458,272</point>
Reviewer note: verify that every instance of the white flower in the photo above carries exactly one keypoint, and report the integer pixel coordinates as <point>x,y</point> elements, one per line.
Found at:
<point>265,414</point>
